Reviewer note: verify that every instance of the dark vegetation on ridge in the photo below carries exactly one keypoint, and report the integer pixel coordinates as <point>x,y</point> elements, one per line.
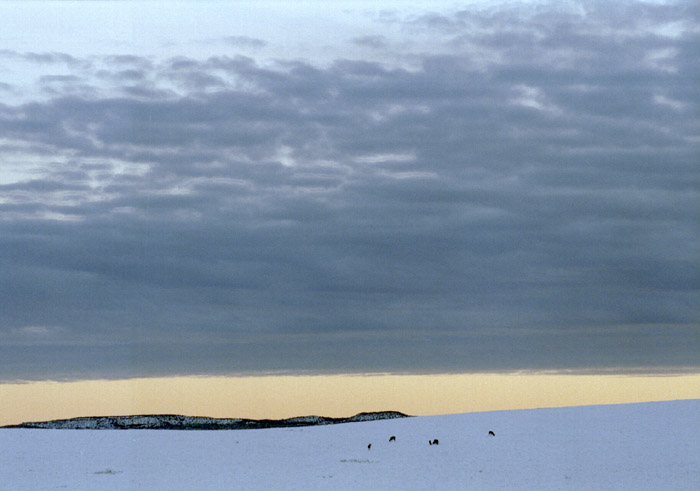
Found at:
<point>178,422</point>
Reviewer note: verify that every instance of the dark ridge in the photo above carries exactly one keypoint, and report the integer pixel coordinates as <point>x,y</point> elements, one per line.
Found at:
<point>178,422</point>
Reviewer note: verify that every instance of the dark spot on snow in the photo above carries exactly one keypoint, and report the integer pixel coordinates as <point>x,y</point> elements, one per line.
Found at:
<point>108,471</point>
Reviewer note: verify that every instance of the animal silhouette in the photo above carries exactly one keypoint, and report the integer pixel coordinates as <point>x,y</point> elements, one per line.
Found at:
<point>434,442</point>
<point>392,439</point>
<point>491,433</point>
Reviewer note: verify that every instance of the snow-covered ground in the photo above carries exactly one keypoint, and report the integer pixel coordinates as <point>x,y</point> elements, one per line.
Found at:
<point>650,446</point>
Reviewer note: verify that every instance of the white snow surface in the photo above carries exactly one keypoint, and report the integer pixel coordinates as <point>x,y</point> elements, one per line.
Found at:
<point>646,446</point>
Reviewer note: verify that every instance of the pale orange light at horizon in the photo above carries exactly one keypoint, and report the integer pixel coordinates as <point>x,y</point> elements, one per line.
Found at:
<point>331,395</point>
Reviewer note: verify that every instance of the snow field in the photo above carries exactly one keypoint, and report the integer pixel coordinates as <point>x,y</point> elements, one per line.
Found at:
<point>648,446</point>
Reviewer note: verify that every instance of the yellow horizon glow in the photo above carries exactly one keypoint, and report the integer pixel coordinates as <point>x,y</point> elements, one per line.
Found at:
<point>284,396</point>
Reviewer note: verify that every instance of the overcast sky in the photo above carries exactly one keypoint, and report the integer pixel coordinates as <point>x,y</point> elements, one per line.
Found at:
<point>213,188</point>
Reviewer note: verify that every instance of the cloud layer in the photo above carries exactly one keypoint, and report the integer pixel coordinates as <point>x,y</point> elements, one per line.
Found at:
<point>522,194</point>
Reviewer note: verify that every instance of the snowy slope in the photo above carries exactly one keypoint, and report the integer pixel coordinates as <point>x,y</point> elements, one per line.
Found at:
<point>649,446</point>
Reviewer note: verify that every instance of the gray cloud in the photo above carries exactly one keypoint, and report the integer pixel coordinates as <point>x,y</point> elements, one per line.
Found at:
<point>129,60</point>
<point>47,58</point>
<point>375,42</point>
<point>245,41</point>
<point>525,198</point>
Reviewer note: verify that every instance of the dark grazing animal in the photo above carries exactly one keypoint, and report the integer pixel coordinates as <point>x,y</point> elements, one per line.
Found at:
<point>492,433</point>
<point>392,439</point>
<point>433,442</point>
<point>369,446</point>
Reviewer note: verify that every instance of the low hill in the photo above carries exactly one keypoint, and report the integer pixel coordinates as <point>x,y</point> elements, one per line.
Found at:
<point>178,422</point>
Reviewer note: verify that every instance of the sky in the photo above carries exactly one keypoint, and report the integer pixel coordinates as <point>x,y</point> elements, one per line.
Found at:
<point>285,396</point>
<point>215,189</point>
